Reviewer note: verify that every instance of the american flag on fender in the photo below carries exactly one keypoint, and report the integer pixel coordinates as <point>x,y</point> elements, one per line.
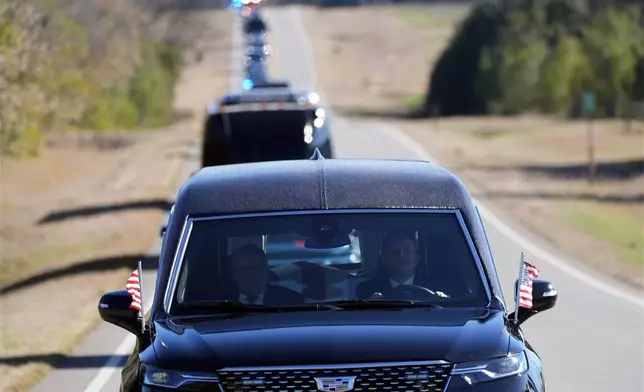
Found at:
<point>133,287</point>
<point>528,273</point>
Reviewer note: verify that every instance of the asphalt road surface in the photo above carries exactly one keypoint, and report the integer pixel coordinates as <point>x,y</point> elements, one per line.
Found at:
<point>593,340</point>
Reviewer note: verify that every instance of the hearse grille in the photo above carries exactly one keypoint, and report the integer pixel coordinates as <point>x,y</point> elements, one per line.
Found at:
<point>394,378</point>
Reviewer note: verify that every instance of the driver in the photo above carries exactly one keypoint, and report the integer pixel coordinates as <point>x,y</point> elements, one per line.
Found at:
<point>399,258</point>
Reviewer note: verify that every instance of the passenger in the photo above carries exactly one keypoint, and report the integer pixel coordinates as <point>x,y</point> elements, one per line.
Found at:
<point>250,273</point>
<point>399,258</point>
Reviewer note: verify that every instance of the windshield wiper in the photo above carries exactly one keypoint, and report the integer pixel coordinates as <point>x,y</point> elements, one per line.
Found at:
<point>234,306</point>
<point>380,304</point>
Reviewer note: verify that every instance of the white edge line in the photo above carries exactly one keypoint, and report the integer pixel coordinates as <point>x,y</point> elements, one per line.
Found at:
<point>513,234</point>
<point>105,373</point>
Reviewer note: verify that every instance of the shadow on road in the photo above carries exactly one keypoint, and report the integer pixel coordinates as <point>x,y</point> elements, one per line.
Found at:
<point>396,114</point>
<point>606,171</point>
<point>191,5</point>
<point>160,204</point>
<point>181,115</point>
<point>102,264</point>
<point>608,198</point>
<point>62,361</point>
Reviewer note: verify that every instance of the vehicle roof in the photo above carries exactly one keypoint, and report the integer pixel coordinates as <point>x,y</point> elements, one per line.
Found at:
<point>325,184</point>
<point>264,94</point>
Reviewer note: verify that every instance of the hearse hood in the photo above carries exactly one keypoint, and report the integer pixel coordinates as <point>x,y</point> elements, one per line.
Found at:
<point>331,337</point>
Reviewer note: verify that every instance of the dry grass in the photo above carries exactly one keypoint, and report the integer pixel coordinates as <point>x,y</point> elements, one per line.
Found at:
<point>75,221</point>
<point>531,166</point>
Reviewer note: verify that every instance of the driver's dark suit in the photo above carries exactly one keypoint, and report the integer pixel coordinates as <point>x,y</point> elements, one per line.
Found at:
<point>382,284</point>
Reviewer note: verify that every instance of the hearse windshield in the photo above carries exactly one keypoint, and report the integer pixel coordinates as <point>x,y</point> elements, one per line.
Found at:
<point>323,260</point>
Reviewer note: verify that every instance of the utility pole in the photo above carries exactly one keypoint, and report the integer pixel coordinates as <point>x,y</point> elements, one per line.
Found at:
<point>589,105</point>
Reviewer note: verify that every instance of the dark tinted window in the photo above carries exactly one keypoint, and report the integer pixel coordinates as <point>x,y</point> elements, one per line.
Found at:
<point>332,256</point>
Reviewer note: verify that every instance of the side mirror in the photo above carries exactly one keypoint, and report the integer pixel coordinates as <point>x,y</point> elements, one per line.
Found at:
<point>544,297</point>
<point>114,307</point>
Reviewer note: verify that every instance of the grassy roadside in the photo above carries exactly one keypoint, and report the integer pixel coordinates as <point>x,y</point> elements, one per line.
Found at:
<point>108,204</point>
<point>32,262</point>
<point>440,16</point>
<point>59,72</point>
<point>142,101</point>
<point>624,233</point>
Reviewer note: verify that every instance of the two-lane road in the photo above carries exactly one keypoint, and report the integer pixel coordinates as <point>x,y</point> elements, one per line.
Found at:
<point>592,341</point>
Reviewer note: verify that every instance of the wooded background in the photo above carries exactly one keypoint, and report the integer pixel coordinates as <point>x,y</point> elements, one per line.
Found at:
<point>514,56</point>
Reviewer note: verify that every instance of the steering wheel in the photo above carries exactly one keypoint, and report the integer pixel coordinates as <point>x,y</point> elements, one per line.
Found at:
<point>414,293</point>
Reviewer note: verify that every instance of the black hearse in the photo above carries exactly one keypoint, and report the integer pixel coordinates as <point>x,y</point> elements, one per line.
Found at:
<point>269,122</point>
<point>421,310</point>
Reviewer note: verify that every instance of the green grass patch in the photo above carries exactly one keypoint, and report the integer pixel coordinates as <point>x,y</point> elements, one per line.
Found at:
<point>415,103</point>
<point>145,100</point>
<point>432,16</point>
<point>488,134</point>
<point>624,233</point>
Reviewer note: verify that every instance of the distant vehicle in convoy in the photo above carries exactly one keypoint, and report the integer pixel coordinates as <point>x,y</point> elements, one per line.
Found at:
<point>252,57</point>
<point>255,38</point>
<point>421,310</point>
<point>342,3</point>
<point>258,49</point>
<point>256,73</point>
<point>268,122</point>
<point>255,24</point>
<point>255,63</point>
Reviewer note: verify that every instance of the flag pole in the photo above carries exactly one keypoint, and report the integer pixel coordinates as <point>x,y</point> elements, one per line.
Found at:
<point>517,295</point>
<point>142,311</point>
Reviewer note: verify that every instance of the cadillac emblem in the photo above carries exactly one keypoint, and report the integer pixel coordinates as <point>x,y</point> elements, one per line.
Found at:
<point>335,384</point>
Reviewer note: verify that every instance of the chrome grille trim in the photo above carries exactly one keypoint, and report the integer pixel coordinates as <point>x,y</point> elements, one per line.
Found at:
<point>332,366</point>
<point>427,376</point>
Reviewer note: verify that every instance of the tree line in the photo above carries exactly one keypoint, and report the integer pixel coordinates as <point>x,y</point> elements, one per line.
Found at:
<point>82,64</point>
<point>515,56</point>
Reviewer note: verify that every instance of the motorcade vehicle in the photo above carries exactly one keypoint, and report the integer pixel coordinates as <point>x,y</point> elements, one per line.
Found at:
<point>260,49</point>
<point>270,121</point>
<point>254,23</point>
<point>421,310</point>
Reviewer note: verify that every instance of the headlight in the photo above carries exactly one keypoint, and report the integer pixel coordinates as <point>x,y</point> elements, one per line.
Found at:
<point>176,379</point>
<point>493,369</point>
<point>308,134</point>
<point>313,98</point>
